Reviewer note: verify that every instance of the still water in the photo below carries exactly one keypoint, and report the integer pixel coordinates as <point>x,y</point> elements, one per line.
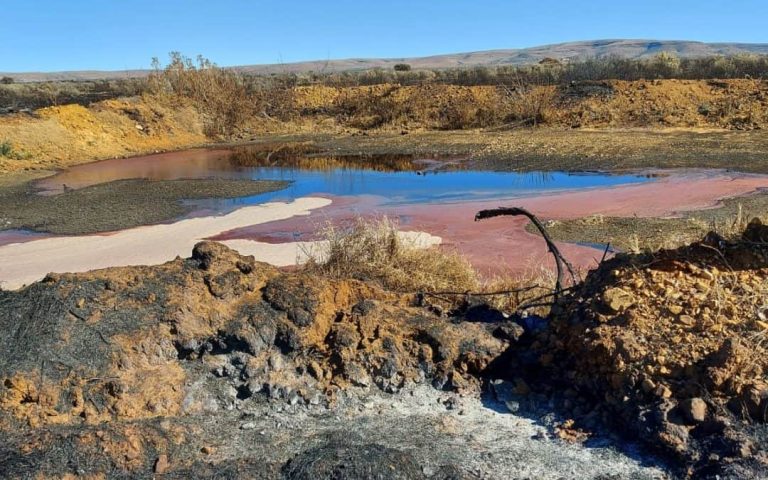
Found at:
<point>395,179</point>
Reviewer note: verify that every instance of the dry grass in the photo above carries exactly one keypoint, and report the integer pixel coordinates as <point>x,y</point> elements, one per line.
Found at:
<point>534,284</point>
<point>373,250</point>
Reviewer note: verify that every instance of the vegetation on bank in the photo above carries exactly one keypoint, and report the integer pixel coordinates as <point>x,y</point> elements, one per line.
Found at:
<point>373,250</point>
<point>229,98</point>
<point>8,151</point>
<point>193,102</point>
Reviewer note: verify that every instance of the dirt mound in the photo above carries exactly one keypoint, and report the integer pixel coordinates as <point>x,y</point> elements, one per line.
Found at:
<point>210,333</point>
<point>69,134</point>
<point>727,104</point>
<point>113,371</point>
<point>672,346</point>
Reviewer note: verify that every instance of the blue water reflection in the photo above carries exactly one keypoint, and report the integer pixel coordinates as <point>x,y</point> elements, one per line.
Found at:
<point>417,187</point>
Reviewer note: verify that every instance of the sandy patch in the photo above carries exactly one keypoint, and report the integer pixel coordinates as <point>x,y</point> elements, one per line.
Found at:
<point>23,263</point>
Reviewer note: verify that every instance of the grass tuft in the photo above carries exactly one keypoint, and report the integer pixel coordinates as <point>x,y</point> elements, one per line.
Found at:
<point>374,250</point>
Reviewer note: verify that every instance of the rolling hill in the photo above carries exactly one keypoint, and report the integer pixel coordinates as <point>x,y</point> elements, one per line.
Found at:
<point>635,49</point>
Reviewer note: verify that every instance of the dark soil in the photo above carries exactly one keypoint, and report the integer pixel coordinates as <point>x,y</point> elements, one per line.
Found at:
<point>219,335</point>
<point>115,205</point>
<point>537,149</point>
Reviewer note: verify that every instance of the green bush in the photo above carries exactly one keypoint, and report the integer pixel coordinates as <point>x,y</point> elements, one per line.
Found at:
<point>7,151</point>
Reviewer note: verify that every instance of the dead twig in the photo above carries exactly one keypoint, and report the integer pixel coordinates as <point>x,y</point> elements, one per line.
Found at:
<point>485,294</point>
<point>560,262</point>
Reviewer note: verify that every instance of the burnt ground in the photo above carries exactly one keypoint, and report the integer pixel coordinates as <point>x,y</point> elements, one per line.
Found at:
<point>220,367</point>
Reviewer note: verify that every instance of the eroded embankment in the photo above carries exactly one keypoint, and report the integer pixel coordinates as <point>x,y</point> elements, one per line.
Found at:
<point>59,136</point>
<point>127,371</point>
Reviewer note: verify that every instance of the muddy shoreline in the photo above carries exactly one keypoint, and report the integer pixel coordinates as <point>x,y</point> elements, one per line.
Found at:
<point>116,205</point>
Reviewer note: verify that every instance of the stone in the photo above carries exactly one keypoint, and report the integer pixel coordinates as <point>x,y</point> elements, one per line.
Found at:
<point>675,309</point>
<point>512,405</point>
<point>755,399</point>
<point>707,275</point>
<point>663,391</point>
<point>647,385</point>
<point>276,362</point>
<point>618,299</point>
<point>161,464</point>
<point>694,409</point>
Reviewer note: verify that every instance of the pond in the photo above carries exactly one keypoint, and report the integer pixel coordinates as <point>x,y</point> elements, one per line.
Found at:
<point>394,179</point>
<point>433,198</point>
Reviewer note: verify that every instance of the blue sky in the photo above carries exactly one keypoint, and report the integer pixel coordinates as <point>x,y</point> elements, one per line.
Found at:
<point>52,35</point>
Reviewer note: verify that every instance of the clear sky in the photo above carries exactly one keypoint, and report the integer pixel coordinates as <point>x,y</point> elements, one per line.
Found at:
<point>52,35</point>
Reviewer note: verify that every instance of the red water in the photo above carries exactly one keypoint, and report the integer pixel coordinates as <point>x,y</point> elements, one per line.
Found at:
<point>162,166</point>
<point>493,246</point>
<point>502,245</point>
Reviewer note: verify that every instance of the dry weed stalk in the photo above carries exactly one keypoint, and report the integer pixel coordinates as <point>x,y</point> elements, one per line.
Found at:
<point>373,250</point>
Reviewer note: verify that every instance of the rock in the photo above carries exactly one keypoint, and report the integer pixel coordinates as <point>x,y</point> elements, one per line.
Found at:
<point>694,409</point>
<point>675,309</point>
<point>248,426</point>
<point>512,405</point>
<point>208,450</point>
<point>647,385</point>
<point>755,400</point>
<point>675,437</point>
<point>276,362</point>
<point>663,391</point>
<point>356,374</point>
<point>618,299</point>
<point>161,464</point>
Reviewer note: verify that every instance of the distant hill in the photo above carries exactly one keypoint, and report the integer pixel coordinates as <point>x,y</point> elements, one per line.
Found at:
<point>634,49</point>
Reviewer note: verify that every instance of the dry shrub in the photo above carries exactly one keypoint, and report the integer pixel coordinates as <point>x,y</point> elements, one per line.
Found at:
<point>530,104</point>
<point>219,95</point>
<point>369,107</point>
<point>225,98</point>
<point>374,250</point>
